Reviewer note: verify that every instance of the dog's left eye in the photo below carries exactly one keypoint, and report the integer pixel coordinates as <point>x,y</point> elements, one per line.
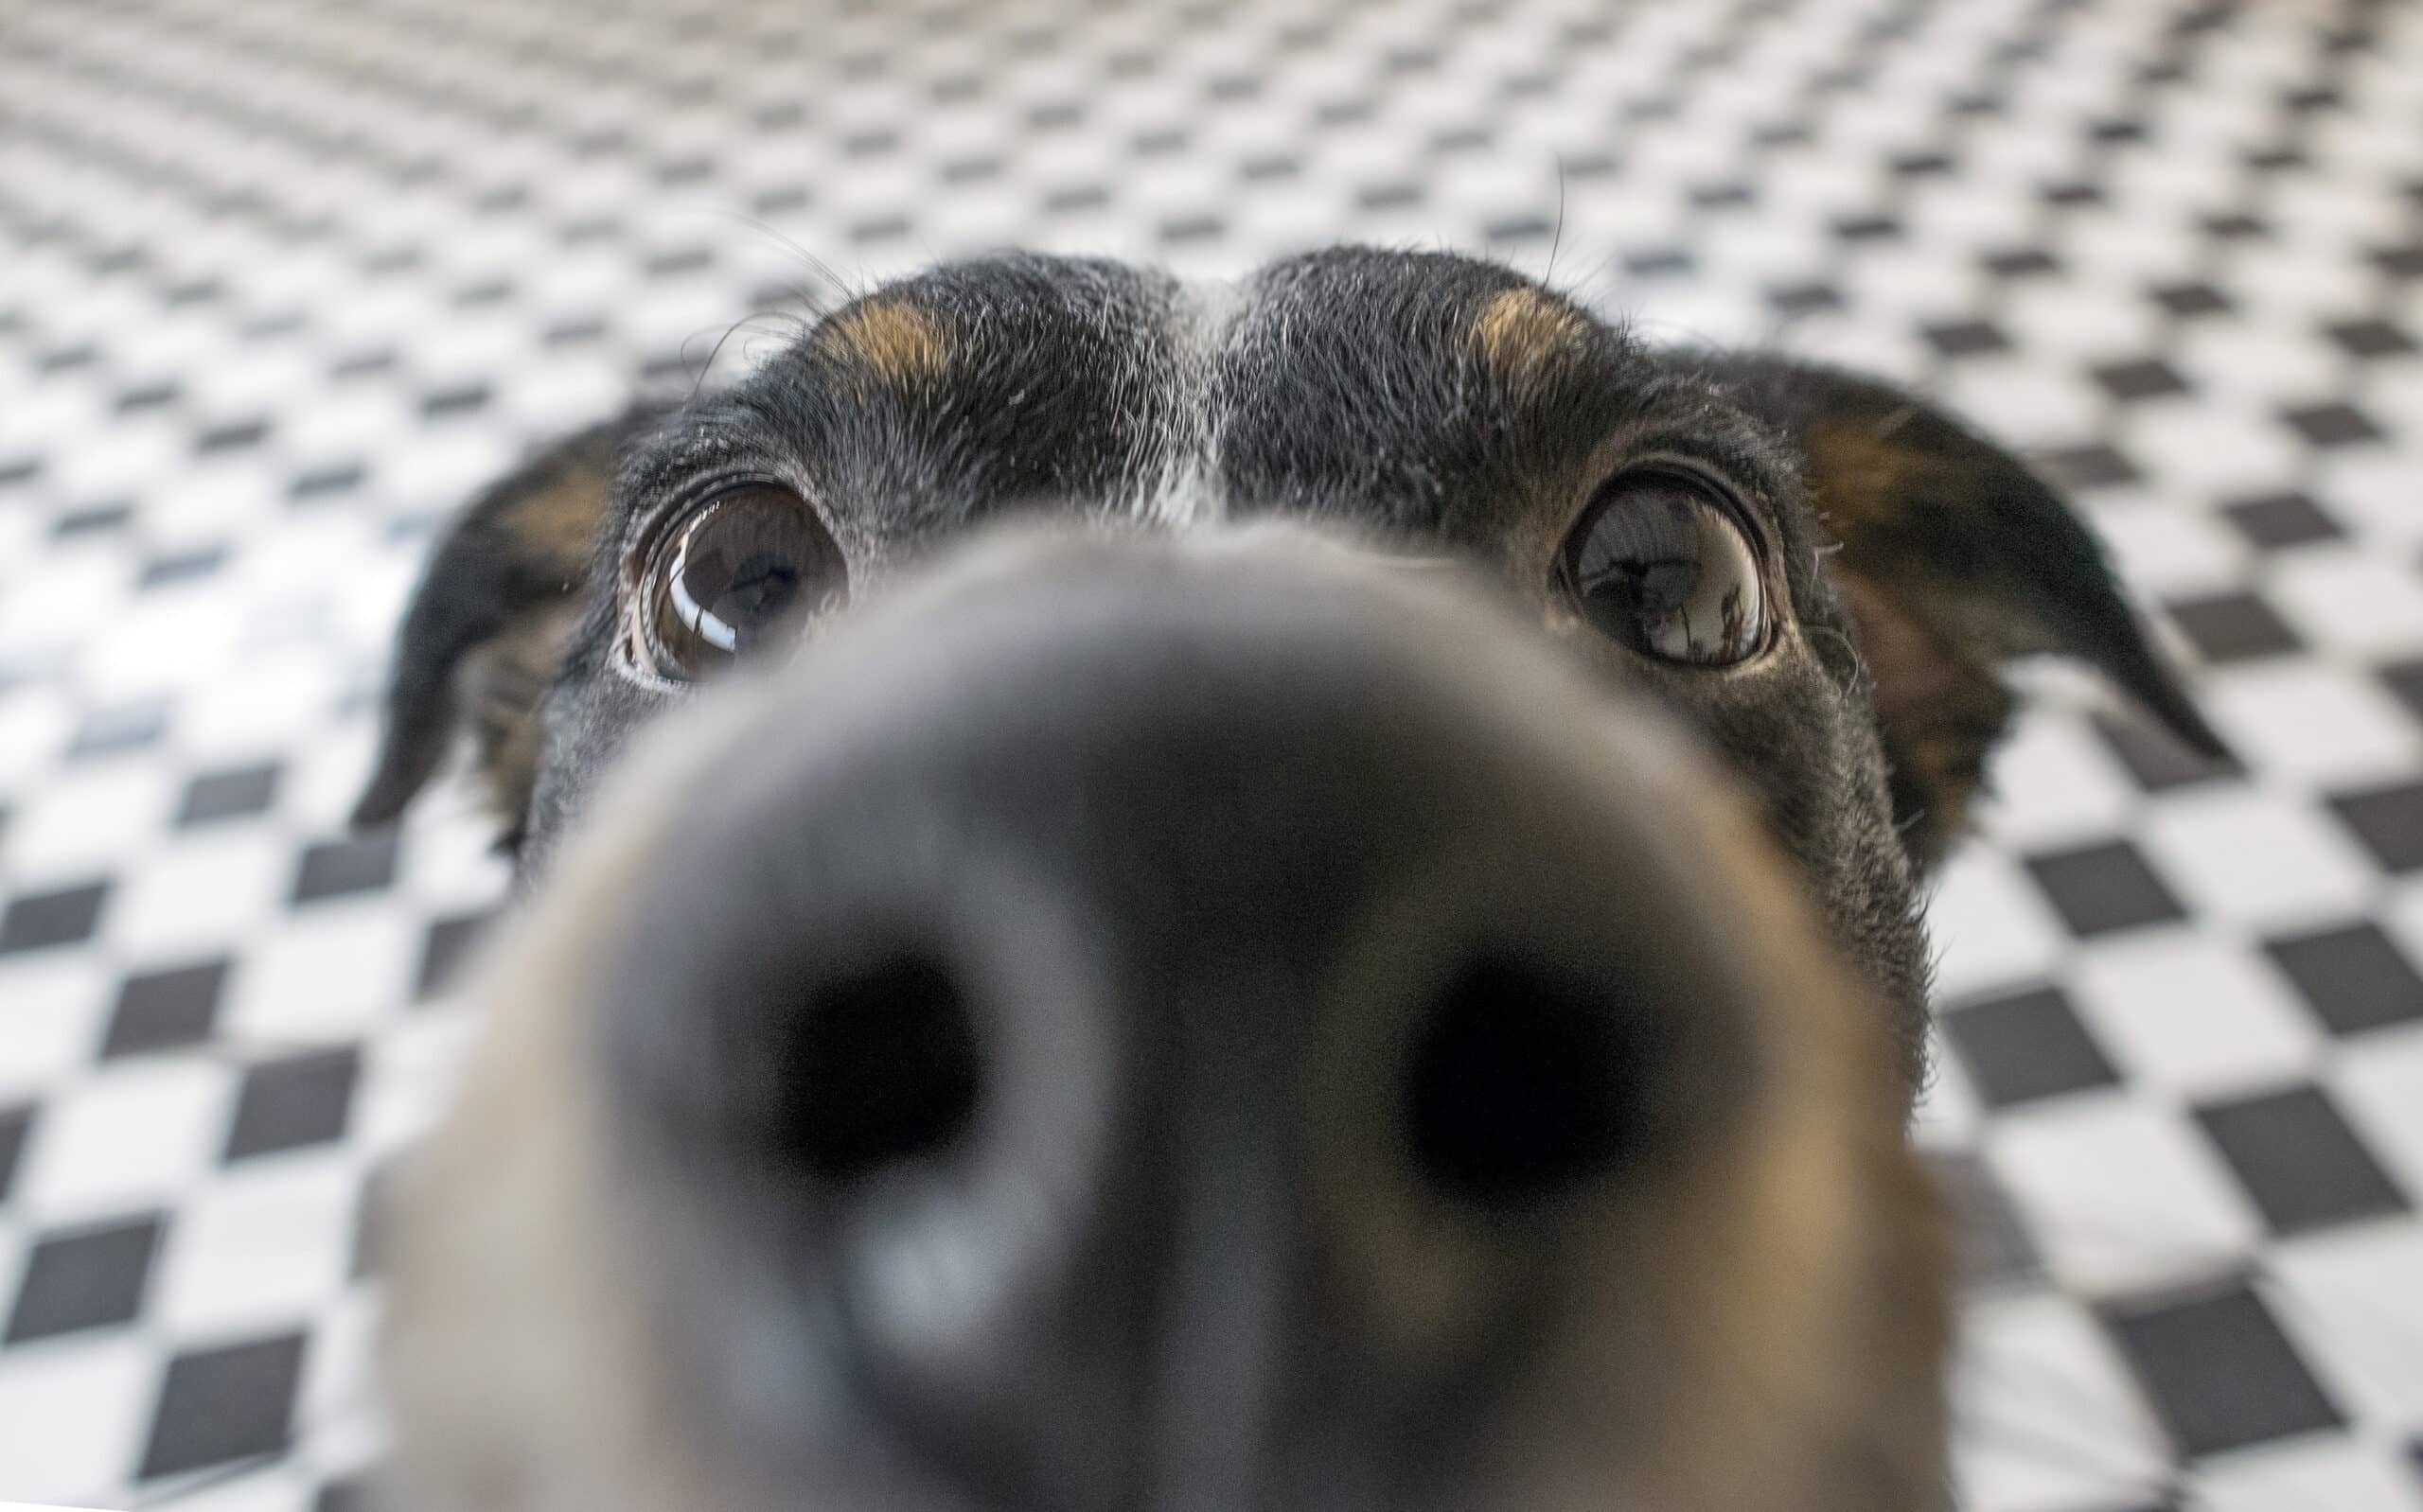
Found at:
<point>747,568</point>
<point>1659,562</point>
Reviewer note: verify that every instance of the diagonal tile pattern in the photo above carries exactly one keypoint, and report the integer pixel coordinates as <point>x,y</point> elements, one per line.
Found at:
<point>286,280</point>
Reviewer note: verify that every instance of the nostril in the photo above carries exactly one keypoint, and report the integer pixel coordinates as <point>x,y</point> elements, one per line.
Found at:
<point>882,1066</point>
<point>1521,1086</point>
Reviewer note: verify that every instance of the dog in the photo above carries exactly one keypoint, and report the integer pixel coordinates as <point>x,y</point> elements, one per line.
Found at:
<point>1303,894</point>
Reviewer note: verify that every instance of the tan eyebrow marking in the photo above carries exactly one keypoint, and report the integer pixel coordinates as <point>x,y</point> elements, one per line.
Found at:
<point>1526,334</point>
<point>890,341</point>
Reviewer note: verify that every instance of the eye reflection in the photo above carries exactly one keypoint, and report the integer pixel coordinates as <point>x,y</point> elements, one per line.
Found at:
<point>746,571</point>
<point>1655,562</point>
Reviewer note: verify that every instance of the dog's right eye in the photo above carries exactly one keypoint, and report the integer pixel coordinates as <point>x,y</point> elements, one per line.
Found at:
<point>745,570</point>
<point>1658,562</point>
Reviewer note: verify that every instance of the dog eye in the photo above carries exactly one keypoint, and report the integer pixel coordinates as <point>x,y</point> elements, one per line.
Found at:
<point>1657,562</point>
<point>747,569</point>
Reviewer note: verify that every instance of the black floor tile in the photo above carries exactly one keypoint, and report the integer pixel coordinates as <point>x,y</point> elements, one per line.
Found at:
<point>2145,378</point>
<point>364,863</point>
<point>2389,820</point>
<point>2088,467</point>
<point>182,567</point>
<point>91,1279</point>
<point>2026,1045</point>
<point>2298,1159</point>
<point>2233,627</point>
<point>2103,888</point>
<point>2155,757</point>
<point>2354,979</point>
<point>443,952</point>
<point>286,1104</point>
<point>65,917</point>
<point>2277,520</point>
<point>324,480</point>
<point>232,792</point>
<point>2373,338</point>
<point>2021,262</point>
<point>2332,425</point>
<point>1804,298</point>
<point>91,520</point>
<point>166,1010</point>
<point>226,1403</point>
<point>16,1126</point>
<point>2405,682</point>
<point>2219,1371</point>
<point>1968,338</point>
<point>2188,300</point>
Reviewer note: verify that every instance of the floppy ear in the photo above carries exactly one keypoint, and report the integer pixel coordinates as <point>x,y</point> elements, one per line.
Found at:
<point>488,625</point>
<point>1954,558</point>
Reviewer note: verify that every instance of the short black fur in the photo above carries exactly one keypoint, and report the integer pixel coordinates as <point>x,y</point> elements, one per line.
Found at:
<point>1417,402</point>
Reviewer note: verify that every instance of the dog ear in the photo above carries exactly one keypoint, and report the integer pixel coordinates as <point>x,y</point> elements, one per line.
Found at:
<point>488,625</point>
<point>1953,559</point>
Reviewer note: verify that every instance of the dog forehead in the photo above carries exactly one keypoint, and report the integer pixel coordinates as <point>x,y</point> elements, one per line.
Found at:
<point>1361,383</point>
<point>1415,392</point>
<point>971,317</point>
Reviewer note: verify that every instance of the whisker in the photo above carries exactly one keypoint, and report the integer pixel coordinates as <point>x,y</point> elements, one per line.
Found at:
<point>1556,241</point>
<point>840,287</point>
<point>706,368</point>
<point>1859,663</point>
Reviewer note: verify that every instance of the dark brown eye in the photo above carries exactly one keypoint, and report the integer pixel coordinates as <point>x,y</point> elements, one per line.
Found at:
<point>747,569</point>
<point>1657,562</point>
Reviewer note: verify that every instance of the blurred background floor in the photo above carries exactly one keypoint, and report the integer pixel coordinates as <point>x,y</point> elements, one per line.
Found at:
<point>281,281</point>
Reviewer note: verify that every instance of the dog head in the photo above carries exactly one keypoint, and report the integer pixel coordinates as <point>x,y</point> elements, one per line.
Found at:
<point>1411,1010</point>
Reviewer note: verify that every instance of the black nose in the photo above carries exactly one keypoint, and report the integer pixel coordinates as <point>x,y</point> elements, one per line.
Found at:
<point>1135,1032</point>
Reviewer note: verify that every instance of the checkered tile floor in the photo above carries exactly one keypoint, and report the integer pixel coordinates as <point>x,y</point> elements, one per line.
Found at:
<point>280,281</point>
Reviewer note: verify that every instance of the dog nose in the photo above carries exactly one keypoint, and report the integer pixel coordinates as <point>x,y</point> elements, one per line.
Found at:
<point>1132,1033</point>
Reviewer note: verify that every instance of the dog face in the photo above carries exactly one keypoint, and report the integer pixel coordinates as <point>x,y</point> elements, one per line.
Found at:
<point>1413,1012</point>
